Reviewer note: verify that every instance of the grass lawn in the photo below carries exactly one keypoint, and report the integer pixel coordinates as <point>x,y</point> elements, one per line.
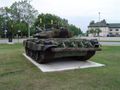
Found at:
<point>17,73</point>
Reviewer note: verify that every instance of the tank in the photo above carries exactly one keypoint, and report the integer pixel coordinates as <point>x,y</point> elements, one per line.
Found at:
<point>50,45</point>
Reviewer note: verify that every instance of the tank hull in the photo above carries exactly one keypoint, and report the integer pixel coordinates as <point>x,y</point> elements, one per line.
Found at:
<point>46,50</point>
<point>52,54</point>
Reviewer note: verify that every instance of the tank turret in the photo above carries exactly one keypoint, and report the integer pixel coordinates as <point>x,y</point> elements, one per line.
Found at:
<point>49,45</point>
<point>54,33</point>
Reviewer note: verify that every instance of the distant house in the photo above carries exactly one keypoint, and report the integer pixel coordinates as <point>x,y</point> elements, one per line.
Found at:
<point>107,29</point>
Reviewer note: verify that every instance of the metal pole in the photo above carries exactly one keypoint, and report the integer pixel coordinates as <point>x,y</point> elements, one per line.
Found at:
<point>18,38</point>
<point>52,23</point>
<point>99,16</point>
<point>28,31</point>
<point>19,35</point>
<point>28,24</point>
<point>5,33</point>
<point>44,26</point>
<point>99,21</point>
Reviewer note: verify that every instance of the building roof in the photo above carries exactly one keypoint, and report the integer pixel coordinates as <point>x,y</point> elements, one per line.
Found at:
<point>114,25</point>
<point>104,24</point>
<point>98,24</point>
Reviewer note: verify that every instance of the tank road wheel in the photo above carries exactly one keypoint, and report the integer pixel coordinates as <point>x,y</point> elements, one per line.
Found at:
<point>39,57</point>
<point>46,56</point>
<point>28,52</point>
<point>36,56</point>
<point>42,59</point>
<point>88,56</point>
<point>33,54</point>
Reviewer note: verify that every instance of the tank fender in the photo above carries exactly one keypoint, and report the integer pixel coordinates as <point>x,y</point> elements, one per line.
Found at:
<point>47,47</point>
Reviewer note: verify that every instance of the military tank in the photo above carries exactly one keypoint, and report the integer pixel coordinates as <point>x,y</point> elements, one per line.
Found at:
<point>46,46</point>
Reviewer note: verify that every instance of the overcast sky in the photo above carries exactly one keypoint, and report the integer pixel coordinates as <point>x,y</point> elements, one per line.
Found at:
<point>78,12</point>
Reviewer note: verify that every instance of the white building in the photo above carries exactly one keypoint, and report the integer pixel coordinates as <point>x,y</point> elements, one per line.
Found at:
<point>107,29</point>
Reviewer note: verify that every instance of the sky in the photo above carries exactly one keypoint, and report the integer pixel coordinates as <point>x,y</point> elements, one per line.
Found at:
<point>77,12</point>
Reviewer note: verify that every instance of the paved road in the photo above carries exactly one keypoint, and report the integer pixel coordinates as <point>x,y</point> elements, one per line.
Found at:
<point>110,43</point>
<point>3,41</point>
<point>21,40</point>
<point>102,38</point>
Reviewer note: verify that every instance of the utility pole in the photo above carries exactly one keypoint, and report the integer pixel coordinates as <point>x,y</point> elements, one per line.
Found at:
<point>99,16</point>
<point>29,22</point>
<point>52,24</point>
<point>98,27</point>
<point>28,30</point>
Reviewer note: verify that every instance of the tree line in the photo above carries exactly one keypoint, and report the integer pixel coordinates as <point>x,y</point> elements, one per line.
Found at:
<point>21,18</point>
<point>94,32</point>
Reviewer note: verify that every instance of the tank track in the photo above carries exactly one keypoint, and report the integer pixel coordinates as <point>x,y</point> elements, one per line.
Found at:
<point>40,57</point>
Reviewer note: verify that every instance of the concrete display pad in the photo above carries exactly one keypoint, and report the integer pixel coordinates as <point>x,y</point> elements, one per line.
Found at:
<point>64,65</point>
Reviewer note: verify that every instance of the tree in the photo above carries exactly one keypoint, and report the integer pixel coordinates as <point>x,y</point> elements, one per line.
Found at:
<point>92,31</point>
<point>18,12</point>
<point>87,32</point>
<point>1,25</point>
<point>22,11</point>
<point>47,21</point>
<point>97,31</point>
<point>22,27</point>
<point>4,18</point>
<point>74,30</point>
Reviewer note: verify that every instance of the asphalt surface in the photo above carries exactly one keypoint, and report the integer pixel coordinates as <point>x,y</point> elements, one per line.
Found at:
<point>4,41</point>
<point>110,43</point>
